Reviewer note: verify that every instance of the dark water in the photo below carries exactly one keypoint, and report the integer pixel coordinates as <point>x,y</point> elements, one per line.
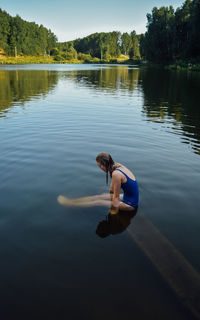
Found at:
<point>54,120</point>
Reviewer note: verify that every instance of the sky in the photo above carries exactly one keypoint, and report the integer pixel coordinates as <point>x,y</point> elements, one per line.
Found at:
<point>70,20</point>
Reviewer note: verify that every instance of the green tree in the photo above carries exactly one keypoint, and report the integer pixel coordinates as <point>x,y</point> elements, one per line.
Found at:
<point>4,30</point>
<point>101,45</point>
<point>134,51</point>
<point>18,35</point>
<point>182,26</point>
<point>194,28</point>
<point>160,35</point>
<point>126,43</point>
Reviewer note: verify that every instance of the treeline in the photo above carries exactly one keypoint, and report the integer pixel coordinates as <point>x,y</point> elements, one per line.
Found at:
<point>172,35</point>
<point>111,44</point>
<point>104,46</point>
<point>18,36</point>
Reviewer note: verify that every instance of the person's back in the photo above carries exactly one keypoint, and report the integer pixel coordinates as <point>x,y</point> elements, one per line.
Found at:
<point>129,186</point>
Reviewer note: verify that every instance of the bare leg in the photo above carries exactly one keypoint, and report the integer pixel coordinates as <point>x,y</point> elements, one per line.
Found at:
<point>97,200</point>
<point>92,201</point>
<point>103,196</point>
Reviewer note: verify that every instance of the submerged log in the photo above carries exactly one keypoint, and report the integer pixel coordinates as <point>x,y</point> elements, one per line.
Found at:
<point>183,279</point>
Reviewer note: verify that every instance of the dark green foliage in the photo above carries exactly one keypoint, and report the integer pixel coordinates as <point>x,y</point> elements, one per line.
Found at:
<point>172,35</point>
<point>159,38</point>
<point>105,45</point>
<point>134,52</point>
<point>126,43</point>
<point>142,44</point>
<point>63,52</point>
<point>18,36</point>
<point>4,29</point>
<point>101,45</point>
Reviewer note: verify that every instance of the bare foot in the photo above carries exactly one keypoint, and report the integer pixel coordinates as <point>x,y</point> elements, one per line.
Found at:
<point>64,201</point>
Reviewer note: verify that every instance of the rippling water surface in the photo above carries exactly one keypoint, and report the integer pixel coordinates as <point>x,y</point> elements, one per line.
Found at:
<point>54,120</point>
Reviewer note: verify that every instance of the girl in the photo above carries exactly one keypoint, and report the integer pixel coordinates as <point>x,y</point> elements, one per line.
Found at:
<point>121,177</point>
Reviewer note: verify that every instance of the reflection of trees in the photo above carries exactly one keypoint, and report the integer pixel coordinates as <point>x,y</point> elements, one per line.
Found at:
<point>174,95</point>
<point>110,79</point>
<point>23,85</point>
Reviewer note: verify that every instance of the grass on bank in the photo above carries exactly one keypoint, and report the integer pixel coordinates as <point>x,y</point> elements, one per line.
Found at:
<point>86,58</point>
<point>21,59</point>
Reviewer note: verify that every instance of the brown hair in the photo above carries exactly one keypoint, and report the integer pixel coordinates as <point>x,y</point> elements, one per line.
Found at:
<point>106,160</point>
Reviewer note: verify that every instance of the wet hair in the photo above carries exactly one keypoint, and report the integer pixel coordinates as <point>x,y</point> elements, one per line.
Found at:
<point>106,160</point>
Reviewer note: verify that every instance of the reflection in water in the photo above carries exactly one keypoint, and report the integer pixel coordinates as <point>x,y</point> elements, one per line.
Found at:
<point>172,98</point>
<point>22,85</point>
<point>110,79</point>
<point>114,223</point>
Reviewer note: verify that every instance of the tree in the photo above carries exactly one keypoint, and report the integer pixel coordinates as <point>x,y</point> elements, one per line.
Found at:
<point>126,43</point>
<point>142,45</point>
<point>101,45</point>
<point>18,35</point>
<point>134,51</point>
<point>4,29</point>
<point>159,37</point>
<point>182,26</point>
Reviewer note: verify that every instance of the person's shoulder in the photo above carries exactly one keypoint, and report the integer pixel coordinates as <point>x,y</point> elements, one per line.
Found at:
<point>116,173</point>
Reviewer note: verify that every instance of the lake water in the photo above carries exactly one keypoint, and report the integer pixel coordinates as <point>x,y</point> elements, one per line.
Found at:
<point>54,119</point>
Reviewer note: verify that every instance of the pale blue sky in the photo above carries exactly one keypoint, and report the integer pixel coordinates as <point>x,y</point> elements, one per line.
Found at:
<point>69,20</point>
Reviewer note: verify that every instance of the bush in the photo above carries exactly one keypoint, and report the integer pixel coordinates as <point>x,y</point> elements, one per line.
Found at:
<point>58,58</point>
<point>84,57</point>
<point>113,61</point>
<point>67,56</point>
<point>196,67</point>
<point>54,52</point>
<point>95,60</point>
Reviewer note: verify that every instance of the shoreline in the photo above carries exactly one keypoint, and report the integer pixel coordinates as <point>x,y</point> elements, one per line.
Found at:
<point>4,60</point>
<point>179,66</point>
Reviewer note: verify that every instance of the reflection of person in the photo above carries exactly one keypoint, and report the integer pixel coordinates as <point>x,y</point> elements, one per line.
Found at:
<point>121,177</point>
<point>115,223</point>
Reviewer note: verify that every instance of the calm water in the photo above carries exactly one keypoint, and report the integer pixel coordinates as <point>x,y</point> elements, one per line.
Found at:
<point>56,262</point>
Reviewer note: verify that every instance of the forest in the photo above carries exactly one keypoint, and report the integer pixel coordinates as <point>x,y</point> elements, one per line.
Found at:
<point>102,46</point>
<point>18,36</point>
<point>172,36</point>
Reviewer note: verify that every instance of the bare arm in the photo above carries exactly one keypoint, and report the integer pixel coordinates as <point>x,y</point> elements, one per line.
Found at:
<point>111,191</point>
<point>116,185</point>
<point>111,187</point>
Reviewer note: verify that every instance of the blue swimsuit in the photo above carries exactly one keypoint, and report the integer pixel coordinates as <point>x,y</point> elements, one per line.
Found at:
<point>131,191</point>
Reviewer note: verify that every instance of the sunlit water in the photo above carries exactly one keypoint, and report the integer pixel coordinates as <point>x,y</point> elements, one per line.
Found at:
<point>54,120</point>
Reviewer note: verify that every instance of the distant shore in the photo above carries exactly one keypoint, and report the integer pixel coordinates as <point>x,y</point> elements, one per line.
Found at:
<point>51,60</point>
<point>184,66</point>
<point>6,60</point>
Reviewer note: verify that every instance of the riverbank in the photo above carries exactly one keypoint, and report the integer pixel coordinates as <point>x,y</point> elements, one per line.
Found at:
<point>25,59</point>
<point>52,59</point>
<point>184,66</point>
<point>4,60</point>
